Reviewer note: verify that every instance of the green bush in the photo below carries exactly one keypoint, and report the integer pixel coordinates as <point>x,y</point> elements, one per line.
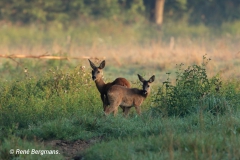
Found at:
<point>193,92</point>
<point>55,95</point>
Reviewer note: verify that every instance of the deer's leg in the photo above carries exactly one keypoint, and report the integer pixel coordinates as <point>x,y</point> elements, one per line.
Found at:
<point>123,109</point>
<point>103,98</point>
<point>126,111</point>
<point>106,102</point>
<point>115,111</point>
<point>138,109</point>
<point>112,108</point>
<point>109,110</point>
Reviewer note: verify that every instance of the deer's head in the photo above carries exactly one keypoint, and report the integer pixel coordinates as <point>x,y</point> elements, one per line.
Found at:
<point>97,71</point>
<point>146,84</point>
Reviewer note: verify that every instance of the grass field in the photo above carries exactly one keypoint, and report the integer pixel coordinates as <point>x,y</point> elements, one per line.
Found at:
<point>192,112</point>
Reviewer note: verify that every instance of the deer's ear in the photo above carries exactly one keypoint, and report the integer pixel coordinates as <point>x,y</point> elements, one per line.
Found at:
<point>151,79</point>
<point>102,65</point>
<point>141,78</point>
<point>92,64</point>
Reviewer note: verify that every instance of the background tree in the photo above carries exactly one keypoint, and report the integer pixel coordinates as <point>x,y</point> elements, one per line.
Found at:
<point>208,12</point>
<point>159,8</point>
<point>214,12</point>
<point>169,10</point>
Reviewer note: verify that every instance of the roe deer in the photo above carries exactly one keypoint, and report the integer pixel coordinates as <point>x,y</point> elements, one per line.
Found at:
<point>97,77</point>
<point>128,97</point>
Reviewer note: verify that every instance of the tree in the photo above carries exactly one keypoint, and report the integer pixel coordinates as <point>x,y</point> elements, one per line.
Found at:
<point>214,12</point>
<point>159,8</point>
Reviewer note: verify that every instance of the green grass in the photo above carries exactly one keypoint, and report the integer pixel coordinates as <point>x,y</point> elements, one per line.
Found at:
<point>32,100</point>
<point>65,105</point>
<point>193,137</point>
<point>15,143</point>
<point>184,119</point>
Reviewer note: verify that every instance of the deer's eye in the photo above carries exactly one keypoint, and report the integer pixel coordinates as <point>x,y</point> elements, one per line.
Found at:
<point>98,71</point>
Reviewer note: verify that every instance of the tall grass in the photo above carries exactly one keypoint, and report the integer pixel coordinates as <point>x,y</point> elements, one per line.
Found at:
<point>121,44</point>
<point>56,94</point>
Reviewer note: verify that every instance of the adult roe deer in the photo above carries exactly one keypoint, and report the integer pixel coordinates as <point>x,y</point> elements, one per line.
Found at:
<point>128,97</point>
<point>97,77</point>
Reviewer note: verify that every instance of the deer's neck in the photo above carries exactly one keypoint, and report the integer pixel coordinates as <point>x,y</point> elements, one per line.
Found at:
<point>100,84</point>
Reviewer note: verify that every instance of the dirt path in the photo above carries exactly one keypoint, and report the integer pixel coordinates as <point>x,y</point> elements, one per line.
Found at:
<point>69,149</point>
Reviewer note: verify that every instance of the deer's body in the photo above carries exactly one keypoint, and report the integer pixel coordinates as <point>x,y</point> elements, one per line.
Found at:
<point>97,76</point>
<point>128,97</point>
<point>104,87</point>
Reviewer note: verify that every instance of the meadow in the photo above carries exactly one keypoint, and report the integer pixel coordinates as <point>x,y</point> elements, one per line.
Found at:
<point>192,111</point>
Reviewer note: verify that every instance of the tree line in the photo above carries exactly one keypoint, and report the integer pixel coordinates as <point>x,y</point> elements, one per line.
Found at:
<point>208,12</point>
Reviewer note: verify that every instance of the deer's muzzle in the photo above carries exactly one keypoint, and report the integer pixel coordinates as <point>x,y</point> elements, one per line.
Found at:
<point>93,78</point>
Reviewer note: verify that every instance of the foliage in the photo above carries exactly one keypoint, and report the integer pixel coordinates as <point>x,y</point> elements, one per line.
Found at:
<point>173,9</point>
<point>56,94</point>
<point>66,105</point>
<point>63,11</point>
<point>213,12</point>
<point>193,92</point>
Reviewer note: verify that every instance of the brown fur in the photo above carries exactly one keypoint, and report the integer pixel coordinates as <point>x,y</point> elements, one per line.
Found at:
<point>97,76</point>
<point>128,97</point>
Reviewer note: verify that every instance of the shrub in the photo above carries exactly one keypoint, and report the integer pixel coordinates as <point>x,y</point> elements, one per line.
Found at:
<point>55,95</point>
<point>193,91</point>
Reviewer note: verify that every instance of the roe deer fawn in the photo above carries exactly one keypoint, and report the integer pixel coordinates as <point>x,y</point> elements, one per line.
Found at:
<point>97,77</point>
<point>128,97</point>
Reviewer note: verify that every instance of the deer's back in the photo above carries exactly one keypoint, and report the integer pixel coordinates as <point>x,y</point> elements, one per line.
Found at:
<point>119,81</point>
<point>125,96</point>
